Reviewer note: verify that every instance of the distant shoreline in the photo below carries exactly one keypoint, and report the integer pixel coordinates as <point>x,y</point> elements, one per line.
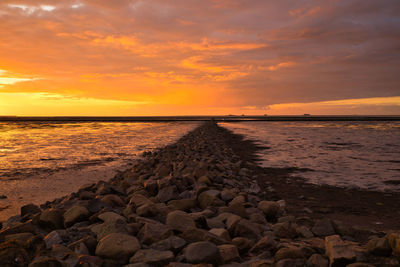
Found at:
<point>197,118</point>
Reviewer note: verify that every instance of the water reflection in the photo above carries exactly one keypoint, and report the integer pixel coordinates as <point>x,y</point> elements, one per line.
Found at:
<point>348,154</point>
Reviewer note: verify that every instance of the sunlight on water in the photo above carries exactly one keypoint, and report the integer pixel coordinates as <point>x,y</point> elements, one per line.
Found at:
<point>42,161</point>
<point>348,154</point>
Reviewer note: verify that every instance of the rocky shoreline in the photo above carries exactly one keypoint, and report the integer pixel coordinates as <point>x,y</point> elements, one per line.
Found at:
<point>195,202</point>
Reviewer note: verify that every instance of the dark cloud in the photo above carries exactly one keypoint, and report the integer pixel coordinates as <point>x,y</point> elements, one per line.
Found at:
<point>257,52</point>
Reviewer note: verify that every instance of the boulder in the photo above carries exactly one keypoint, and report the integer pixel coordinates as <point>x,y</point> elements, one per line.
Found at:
<point>360,264</point>
<point>196,235</point>
<point>147,210</point>
<point>323,227</point>
<point>154,232</point>
<point>227,195</point>
<point>104,229</point>
<point>75,214</point>
<point>152,257</point>
<point>53,238</point>
<point>290,263</point>
<point>183,204</point>
<point>167,193</point>
<point>289,253</point>
<point>113,200</point>
<point>222,233</point>
<point>242,243</point>
<point>91,261</point>
<point>231,221</point>
<point>267,243</point>
<point>180,221</point>
<point>151,186</point>
<point>11,254</point>
<point>248,229</point>
<point>19,236</point>
<point>29,209</point>
<point>202,252</point>
<point>269,208</point>
<point>228,253</point>
<point>111,217</point>
<point>338,252</point>
<point>317,260</point>
<point>285,230</point>
<point>173,243</point>
<point>138,200</point>
<point>215,223</point>
<point>41,262</point>
<point>379,246</point>
<point>117,246</point>
<point>51,219</point>
<point>209,198</point>
<point>394,241</point>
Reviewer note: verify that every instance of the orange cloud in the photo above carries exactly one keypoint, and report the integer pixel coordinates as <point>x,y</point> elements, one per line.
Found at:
<point>200,57</point>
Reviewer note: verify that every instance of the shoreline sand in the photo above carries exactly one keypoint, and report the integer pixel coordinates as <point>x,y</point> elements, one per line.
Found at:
<point>204,200</point>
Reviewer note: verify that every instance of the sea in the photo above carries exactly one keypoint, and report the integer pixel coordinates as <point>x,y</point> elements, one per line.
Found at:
<point>351,154</point>
<point>41,160</point>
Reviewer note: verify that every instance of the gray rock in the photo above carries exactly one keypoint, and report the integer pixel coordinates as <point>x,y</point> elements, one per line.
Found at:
<point>202,252</point>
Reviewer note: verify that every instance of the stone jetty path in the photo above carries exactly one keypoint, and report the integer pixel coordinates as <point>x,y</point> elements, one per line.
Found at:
<point>195,202</point>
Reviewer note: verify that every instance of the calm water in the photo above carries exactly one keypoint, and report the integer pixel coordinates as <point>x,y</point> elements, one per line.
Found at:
<point>42,161</point>
<point>347,154</point>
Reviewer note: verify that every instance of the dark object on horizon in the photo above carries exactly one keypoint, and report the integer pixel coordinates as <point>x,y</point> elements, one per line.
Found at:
<point>306,115</point>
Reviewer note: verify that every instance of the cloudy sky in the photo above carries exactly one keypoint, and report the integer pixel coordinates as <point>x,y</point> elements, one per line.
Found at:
<point>181,57</point>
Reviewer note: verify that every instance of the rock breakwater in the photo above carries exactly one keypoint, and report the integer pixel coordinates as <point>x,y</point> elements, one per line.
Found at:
<point>194,202</point>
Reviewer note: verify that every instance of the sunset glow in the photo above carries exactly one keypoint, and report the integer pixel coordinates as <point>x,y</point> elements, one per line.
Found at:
<point>211,57</point>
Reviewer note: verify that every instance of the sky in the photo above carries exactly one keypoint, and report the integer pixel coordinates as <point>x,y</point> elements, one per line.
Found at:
<point>199,57</point>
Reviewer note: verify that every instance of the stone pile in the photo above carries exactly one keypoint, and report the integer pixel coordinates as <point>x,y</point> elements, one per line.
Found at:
<point>191,203</point>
